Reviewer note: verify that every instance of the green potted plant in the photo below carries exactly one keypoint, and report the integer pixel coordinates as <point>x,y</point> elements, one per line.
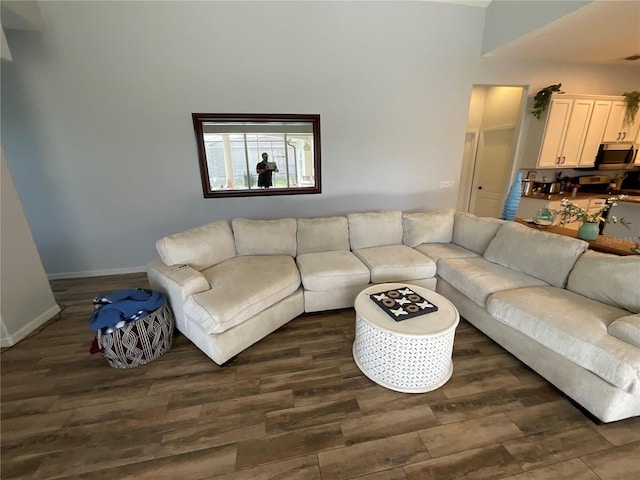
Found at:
<point>543,98</point>
<point>632,99</point>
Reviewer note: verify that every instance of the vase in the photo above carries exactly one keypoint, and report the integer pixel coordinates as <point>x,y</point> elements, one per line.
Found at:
<point>544,217</point>
<point>513,199</point>
<point>589,230</point>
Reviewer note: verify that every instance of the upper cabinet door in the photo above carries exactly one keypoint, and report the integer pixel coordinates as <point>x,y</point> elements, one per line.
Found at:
<point>576,133</point>
<point>554,132</point>
<point>616,129</point>
<point>595,133</point>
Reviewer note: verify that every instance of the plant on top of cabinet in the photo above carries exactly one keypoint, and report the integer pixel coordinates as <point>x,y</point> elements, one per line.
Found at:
<point>632,99</point>
<point>542,99</point>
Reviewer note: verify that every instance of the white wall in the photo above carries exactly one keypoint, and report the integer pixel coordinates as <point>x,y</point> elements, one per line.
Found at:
<point>502,106</point>
<point>99,120</point>
<point>96,111</point>
<point>26,300</point>
<point>476,107</point>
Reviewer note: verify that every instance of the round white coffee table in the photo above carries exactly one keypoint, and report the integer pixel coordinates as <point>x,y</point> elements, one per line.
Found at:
<point>412,355</point>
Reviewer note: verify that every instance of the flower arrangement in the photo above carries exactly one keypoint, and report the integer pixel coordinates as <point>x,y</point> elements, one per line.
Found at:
<point>570,212</point>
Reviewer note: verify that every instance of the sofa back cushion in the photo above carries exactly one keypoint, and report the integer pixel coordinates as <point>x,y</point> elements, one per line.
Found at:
<point>322,234</point>
<point>265,237</point>
<point>427,227</point>
<point>546,256</point>
<point>199,247</point>
<point>611,279</point>
<point>474,233</point>
<point>375,229</point>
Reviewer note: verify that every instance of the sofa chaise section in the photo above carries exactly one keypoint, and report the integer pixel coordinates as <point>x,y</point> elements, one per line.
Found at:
<point>560,327</point>
<point>230,286</point>
<point>609,404</point>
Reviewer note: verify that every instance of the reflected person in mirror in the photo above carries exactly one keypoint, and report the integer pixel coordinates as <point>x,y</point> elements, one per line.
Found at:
<point>265,170</point>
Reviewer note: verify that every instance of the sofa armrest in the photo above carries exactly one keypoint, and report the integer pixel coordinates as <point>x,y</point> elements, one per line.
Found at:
<point>626,329</point>
<point>178,282</point>
<point>187,279</point>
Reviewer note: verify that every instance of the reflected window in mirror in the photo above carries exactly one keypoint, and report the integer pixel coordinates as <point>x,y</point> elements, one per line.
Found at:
<point>259,154</point>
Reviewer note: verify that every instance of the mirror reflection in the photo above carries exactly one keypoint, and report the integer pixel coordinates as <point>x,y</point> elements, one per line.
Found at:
<point>244,155</point>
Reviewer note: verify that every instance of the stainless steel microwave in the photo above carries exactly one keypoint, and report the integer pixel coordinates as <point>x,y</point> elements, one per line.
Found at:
<point>616,156</point>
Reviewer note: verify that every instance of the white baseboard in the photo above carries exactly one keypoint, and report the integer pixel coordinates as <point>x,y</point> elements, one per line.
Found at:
<point>37,322</point>
<point>96,273</point>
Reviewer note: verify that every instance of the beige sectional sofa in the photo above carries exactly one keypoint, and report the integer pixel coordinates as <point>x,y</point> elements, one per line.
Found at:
<point>571,314</point>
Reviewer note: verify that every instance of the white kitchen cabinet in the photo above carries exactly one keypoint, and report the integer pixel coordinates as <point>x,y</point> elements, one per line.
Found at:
<point>596,204</point>
<point>555,132</point>
<point>595,132</point>
<point>616,130</point>
<point>557,140</point>
<point>637,161</point>
<point>576,132</point>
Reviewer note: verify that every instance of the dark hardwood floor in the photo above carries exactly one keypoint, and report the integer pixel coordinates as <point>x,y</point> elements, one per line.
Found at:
<point>293,406</point>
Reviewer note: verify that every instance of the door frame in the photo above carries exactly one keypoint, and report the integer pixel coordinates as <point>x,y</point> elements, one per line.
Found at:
<point>519,135</point>
<point>467,171</point>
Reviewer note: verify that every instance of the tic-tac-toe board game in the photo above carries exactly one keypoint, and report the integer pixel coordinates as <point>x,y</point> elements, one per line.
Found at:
<point>403,303</point>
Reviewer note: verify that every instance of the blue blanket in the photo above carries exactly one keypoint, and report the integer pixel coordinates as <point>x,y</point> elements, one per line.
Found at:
<point>117,309</point>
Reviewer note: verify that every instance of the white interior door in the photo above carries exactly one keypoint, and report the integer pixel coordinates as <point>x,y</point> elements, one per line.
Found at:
<point>491,175</point>
<point>466,171</point>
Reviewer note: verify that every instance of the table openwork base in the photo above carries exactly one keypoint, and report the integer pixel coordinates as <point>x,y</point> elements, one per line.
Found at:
<point>411,356</point>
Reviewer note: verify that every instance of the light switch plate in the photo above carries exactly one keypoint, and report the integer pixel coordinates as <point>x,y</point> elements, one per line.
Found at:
<point>447,184</point>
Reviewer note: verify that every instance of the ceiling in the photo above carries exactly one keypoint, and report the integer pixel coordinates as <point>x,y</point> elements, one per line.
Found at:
<point>602,32</point>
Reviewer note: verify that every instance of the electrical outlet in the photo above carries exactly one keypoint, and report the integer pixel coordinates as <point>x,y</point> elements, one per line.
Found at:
<point>447,184</point>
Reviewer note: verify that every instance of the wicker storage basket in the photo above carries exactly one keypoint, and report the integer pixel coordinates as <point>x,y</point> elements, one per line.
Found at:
<point>139,342</point>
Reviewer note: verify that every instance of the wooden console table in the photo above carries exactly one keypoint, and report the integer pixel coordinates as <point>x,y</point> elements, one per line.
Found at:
<point>603,243</point>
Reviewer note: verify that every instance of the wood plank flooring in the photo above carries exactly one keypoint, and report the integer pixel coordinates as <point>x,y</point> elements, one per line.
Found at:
<point>293,406</point>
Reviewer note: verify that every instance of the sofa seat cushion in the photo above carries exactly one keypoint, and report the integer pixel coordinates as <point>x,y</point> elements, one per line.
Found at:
<point>478,278</point>
<point>574,327</point>
<point>544,255</point>
<point>240,288</point>
<point>395,263</point>
<point>627,329</point>
<point>321,271</point>
<point>608,278</point>
<point>444,250</point>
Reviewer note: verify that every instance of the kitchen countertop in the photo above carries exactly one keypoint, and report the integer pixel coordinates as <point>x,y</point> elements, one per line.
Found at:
<point>604,243</point>
<point>559,196</point>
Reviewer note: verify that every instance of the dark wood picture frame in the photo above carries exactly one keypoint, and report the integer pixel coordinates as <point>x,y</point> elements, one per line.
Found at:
<point>200,119</point>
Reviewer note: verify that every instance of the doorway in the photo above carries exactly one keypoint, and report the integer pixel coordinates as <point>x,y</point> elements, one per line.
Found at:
<point>488,164</point>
